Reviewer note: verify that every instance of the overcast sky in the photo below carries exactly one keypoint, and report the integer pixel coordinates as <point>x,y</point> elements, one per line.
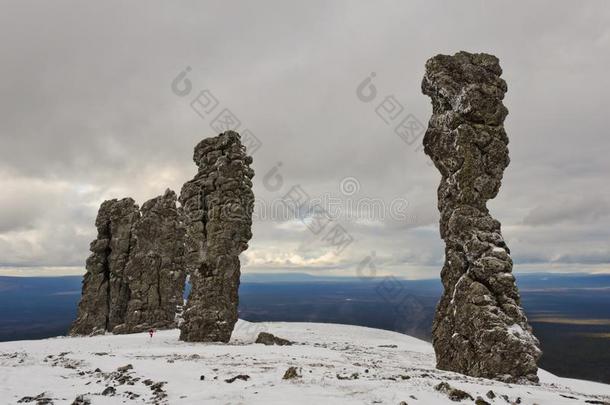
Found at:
<point>87,113</point>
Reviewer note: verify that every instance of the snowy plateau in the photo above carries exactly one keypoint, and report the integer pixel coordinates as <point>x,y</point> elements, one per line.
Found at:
<point>333,364</point>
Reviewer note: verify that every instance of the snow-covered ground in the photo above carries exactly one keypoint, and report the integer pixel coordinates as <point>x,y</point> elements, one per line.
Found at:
<point>338,364</point>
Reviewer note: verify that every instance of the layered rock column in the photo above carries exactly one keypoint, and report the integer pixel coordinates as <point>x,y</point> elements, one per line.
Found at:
<point>217,205</point>
<point>135,275</point>
<point>155,272</point>
<point>105,291</point>
<point>479,327</point>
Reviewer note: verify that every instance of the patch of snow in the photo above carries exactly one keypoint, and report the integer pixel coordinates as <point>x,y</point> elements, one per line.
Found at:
<point>516,329</point>
<point>518,332</point>
<point>388,367</point>
<point>456,288</point>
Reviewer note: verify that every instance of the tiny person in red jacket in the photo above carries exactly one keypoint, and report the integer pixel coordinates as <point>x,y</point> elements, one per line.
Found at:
<point>151,331</point>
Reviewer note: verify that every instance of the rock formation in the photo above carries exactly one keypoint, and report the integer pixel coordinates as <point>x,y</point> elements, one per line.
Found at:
<point>136,273</point>
<point>105,290</point>
<point>479,327</point>
<point>217,206</point>
<point>155,272</point>
<point>135,276</point>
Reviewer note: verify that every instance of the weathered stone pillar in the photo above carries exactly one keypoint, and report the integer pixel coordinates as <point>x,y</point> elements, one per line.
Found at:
<point>105,291</point>
<point>479,328</point>
<point>155,272</point>
<point>217,205</point>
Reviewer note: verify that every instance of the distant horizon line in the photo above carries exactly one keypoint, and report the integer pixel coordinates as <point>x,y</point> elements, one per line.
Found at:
<point>13,272</point>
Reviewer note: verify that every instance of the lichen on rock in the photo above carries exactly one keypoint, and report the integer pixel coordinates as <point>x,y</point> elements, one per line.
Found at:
<point>480,328</point>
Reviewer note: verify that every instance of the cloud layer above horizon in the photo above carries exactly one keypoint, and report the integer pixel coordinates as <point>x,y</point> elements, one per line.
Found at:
<point>87,113</point>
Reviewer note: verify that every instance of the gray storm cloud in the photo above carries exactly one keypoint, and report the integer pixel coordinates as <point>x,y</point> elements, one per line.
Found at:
<point>87,113</point>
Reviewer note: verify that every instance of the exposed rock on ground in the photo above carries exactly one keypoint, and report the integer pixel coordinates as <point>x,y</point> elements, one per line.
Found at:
<point>40,399</point>
<point>242,377</point>
<point>479,328</point>
<point>81,400</point>
<point>269,339</point>
<point>291,373</point>
<point>217,206</point>
<point>481,401</point>
<point>454,394</point>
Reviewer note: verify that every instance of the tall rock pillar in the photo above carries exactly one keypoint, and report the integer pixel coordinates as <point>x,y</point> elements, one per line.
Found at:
<point>217,205</point>
<point>479,328</point>
<point>105,290</point>
<point>155,272</point>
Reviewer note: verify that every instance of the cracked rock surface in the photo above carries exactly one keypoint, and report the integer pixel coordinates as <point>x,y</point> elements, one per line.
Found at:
<point>217,205</point>
<point>155,273</point>
<point>105,291</point>
<point>479,328</point>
